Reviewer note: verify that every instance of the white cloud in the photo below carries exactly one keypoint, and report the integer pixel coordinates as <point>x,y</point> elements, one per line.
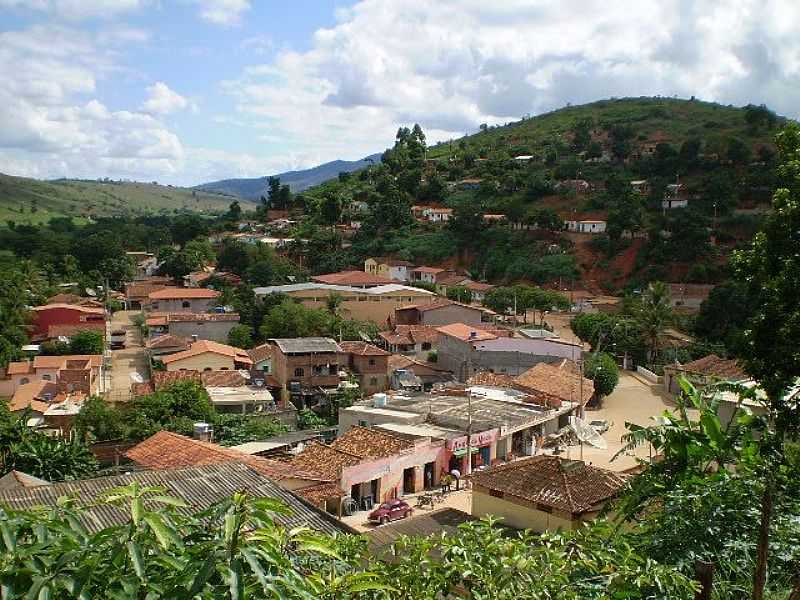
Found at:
<point>161,100</point>
<point>50,123</point>
<point>223,12</point>
<point>78,9</point>
<point>451,66</point>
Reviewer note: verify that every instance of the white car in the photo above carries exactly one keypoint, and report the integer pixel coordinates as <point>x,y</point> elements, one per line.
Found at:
<point>599,425</point>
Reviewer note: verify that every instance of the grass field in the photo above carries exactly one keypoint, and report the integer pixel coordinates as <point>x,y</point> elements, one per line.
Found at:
<point>32,201</point>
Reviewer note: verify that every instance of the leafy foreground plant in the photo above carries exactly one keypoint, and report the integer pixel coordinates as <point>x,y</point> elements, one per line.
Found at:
<point>236,550</point>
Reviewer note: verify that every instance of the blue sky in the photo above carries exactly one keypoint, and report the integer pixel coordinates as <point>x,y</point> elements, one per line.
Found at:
<point>185,91</point>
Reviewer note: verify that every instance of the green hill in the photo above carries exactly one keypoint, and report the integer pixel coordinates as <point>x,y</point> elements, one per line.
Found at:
<point>669,119</point>
<point>26,200</point>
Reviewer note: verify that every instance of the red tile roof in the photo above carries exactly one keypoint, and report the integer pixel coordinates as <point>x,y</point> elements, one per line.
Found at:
<point>352,278</point>
<point>561,484</point>
<point>371,443</point>
<point>22,367</point>
<point>168,341</point>
<point>715,366</point>
<point>362,349</point>
<point>204,346</point>
<point>167,450</point>
<point>410,334</point>
<point>89,310</point>
<point>60,362</point>
<point>54,331</point>
<point>175,293</point>
<point>561,380</point>
<point>424,269</point>
<point>320,458</point>
<point>398,361</point>
<point>262,352</point>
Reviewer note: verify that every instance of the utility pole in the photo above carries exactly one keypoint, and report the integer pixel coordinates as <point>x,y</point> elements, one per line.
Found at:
<point>468,468</point>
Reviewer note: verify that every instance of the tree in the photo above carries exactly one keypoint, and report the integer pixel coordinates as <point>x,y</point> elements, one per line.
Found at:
<point>87,342</point>
<point>467,222</point>
<point>99,421</point>
<point>459,293</point>
<point>233,257</point>
<point>738,151</point>
<point>771,268</point>
<point>331,209</point>
<point>175,408</point>
<point>188,227</point>
<point>292,319</point>
<point>602,369</point>
<point>260,272</point>
<point>232,430</point>
<point>234,211</point>
<point>240,336</point>
<point>724,314</point>
<point>653,315</point>
<point>274,192</point>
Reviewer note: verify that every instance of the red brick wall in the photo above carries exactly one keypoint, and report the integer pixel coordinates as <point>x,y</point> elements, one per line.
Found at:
<point>43,319</point>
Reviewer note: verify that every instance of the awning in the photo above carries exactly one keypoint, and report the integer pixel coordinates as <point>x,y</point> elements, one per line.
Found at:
<point>463,451</point>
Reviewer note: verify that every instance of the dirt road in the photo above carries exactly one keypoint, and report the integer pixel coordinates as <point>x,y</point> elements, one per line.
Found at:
<point>131,359</point>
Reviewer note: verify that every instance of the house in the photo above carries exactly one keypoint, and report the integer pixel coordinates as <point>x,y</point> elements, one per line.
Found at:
<point>389,268</point>
<point>374,465</point>
<point>137,292</point>
<point>494,218</point>
<point>426,274</point>
<point>502,424</point>
<point>561,382</point>
<point>675,196</point>
<point>544,493</point>
<point>702,372</point>
<point>594,222</point>
<point>360,279</point>
<point>204,326</point>
<point>199,487</point>
<point>198,278</point>
<point>479,290</point>
<point>370,363</point>
<point>262,357</point>
<point>205,355</point>
<point>72,373</point>
<point>166,450</point>
<point>54,320</point>
<point>469,184</point>
<point>146,263</point>
<point>410,340</point>
<point>524,158</point>
<point>641,186</point>
<point>440,312</point>
<point>67,298</point>
<point>165,344</point>
<point>17,480</point>
<point>376,304</point>
<point>50,406</point>
<point>466,349</point>
<point>188,300</point>
<point>304,367</point>
<point>438,215</point>
<point>409,374</point>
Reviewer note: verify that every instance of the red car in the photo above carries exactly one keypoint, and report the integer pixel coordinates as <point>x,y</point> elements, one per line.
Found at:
<point>390,511</point>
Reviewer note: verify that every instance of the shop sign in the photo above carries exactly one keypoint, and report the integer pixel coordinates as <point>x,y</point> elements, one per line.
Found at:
<point>484,438</point>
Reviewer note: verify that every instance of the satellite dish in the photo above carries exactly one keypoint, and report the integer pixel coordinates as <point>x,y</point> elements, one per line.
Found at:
<point>587,433</point>
<point>136,378</point>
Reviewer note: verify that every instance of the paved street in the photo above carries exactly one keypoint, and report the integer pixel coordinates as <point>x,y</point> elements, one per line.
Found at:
<point>131,359</point>
<point>459,500</point>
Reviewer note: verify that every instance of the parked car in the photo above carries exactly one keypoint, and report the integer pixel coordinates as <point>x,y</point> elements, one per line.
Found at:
<point>599,425</point>
<point>390,511</point>
<point>117,340</point>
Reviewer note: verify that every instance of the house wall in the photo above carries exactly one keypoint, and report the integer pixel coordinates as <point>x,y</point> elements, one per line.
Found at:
<point>390,470</point>
<point>285,365</point>
<point>373,377</point>
<point>516,514</point>
<point>201,362</point>
<point>350,417</point>
<point>7,388</point>
<point>371,266</point>
<point>216,331</point>
<point>399,273</point>
<point>195,305</point>
<point>451,314</point>
<point>43,319</point>
<point>364,307</point>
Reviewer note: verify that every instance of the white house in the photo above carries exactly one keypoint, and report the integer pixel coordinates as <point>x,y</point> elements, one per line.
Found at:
<point>585,225</point>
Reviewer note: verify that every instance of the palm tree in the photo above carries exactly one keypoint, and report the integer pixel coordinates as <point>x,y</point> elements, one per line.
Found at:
<point>333,302</point>
<point>654,314</point>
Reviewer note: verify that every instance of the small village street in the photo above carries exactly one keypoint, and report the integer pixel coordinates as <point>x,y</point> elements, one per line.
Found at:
<point>127,361</point>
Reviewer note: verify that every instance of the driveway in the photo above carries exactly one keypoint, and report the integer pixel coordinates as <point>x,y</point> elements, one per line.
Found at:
<point>131,359</point>
<point>634,400</point>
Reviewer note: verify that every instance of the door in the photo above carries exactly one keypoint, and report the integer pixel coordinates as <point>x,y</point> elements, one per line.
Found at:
<point>429,474</point>
<point>485,455</point>
<point>408,480</point>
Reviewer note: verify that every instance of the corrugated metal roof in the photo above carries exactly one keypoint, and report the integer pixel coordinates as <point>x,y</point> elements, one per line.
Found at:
<point>199,487</point>
<point>307,344</point>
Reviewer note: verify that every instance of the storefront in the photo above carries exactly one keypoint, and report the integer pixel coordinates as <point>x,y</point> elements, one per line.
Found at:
<point>482,450</point>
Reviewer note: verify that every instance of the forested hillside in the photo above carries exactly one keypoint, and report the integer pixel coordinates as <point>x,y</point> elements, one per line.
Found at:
<point>31,201</point>
<point>571,164</point>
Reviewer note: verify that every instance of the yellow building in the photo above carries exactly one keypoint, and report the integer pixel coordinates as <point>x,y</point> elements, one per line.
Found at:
<point>544,493</point>
<point>205,355</point>
<point>376,304</point>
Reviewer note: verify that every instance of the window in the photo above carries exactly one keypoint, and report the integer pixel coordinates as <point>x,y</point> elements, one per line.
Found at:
<point>298,372</point>
<point>363,423</point>
<point>371,362</point>
<point>208,369</point>
<point>496,493</point>
<point>373,381</point>
<point>47,377</point>
<point>186,304</point>
<point>24,380</point>
<point>426,345</point>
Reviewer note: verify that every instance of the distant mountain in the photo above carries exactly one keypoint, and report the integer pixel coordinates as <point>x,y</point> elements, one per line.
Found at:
<point>252,189</point>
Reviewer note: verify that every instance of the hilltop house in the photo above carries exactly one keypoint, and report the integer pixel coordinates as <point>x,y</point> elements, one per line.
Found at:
<point>425,274</point>
<point>586,222</point>
<point>389,268</point>
<point>675,196</point>
<point>203,326</point>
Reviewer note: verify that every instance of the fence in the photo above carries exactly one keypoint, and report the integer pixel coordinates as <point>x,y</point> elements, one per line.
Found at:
<point>649,375</point>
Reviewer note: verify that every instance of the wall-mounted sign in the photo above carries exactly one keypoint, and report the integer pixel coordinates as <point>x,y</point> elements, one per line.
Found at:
<point>484,438</point>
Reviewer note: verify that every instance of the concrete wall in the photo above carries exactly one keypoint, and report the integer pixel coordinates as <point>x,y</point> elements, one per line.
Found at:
<point>517,515</point>
<point>365,307</point>
<point>649,375</point>
<point>451,314</point>
<point>350,417</point>
<point>216,331</point>
<point>201,362</point>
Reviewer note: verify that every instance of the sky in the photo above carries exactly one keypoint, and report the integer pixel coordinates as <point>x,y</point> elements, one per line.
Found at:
<point>188,91</point>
